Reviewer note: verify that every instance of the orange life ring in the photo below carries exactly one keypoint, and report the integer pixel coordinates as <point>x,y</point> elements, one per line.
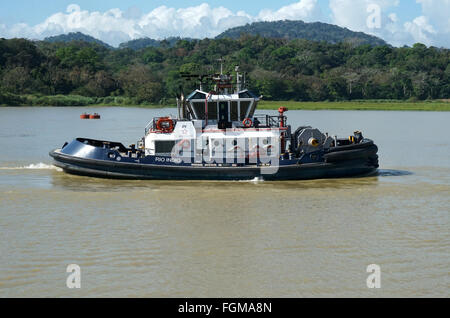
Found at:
<point>247,123</point>
<point>160,125</point>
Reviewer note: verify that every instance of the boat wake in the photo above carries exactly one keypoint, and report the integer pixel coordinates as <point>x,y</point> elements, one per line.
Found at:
<point>33,166</point>
<point>254,180</point>
<point>393,173</point>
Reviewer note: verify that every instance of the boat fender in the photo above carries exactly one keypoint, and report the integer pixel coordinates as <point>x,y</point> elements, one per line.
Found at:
<point>354,154</point>
<point>247,122</point>
<point>365,143</point>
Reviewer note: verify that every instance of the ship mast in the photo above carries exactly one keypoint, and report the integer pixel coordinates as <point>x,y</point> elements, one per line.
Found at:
<point>238,79</point>
<point>221,60</point>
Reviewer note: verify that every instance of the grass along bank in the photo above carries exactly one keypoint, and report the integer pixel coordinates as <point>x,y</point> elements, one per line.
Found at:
<point>359,105</point>
<point>7,99</point>
<point>76,100</point>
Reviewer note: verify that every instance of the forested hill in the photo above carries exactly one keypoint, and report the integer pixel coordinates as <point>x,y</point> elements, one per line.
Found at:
<point>147,42</point>
<point>279,69</point>
<point>286,29</point>
<point>75,36</point>
<point>316,31</point>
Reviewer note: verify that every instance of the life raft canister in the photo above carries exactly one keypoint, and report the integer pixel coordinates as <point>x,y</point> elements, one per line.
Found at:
<point>247,123</point>
<point>165,124</point>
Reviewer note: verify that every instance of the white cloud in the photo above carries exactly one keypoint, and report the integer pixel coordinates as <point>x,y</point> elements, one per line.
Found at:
<point>420,30</point>
<point>393,17</point>
<point>198,22</point>
<point>306,10</point>
<point>353,14</point>
<point>115,26</point>
<point>431,28</point>
<point>438,12</point>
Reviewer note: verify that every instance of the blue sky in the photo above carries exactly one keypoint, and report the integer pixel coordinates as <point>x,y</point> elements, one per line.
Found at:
<point>402,21</point>
<point>35,11</point>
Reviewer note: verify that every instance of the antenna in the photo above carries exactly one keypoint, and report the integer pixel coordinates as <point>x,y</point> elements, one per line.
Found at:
<point>201,78</point>
<point>221,60</point>
<point>238,78</point>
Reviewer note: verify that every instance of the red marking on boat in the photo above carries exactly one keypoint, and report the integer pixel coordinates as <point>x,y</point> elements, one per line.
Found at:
<point>84,116</point>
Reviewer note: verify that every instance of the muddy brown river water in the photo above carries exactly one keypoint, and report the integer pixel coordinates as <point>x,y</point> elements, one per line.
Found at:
<point>224,239</point>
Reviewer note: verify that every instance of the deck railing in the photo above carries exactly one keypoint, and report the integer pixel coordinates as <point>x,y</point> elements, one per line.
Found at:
<point>268,121</point>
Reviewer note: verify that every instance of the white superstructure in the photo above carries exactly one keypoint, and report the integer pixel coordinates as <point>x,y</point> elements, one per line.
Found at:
<point>219,123</point>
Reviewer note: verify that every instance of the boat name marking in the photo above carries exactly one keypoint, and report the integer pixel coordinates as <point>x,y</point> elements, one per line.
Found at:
<point>166,159</point>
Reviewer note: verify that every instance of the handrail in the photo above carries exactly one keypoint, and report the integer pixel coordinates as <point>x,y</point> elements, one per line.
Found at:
<point>269,121</point>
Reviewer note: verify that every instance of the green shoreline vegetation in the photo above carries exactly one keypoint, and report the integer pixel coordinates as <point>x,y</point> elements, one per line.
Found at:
<point>122,101</point>
<point>299,74</point>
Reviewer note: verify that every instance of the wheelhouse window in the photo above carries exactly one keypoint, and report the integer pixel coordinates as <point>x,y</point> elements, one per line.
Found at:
<point>212,110</point>
<point>199,109</point>
<point>244,108</point>
<point>234,115</point>
<point>164,146</point>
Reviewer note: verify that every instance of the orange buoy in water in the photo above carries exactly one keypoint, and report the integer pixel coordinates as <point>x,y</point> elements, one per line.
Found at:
<point>94,116</point>
<point>84,116</point>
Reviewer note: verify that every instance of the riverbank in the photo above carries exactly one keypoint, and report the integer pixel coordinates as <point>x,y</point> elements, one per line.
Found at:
<point>7,99</point>
<point>75,100</point>
<point>360,105</point>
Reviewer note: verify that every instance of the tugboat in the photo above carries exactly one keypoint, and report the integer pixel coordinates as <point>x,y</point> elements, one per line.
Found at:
<point>218,136</point>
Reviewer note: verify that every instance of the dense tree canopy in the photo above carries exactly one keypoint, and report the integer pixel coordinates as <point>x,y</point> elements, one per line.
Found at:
<point>315,31</point>
<point>279,69</point>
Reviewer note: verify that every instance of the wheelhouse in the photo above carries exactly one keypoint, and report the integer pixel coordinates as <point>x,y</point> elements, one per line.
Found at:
<point>227,108</point>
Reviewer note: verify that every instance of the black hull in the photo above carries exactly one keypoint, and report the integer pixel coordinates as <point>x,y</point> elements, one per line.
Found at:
<point>125,170</point>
